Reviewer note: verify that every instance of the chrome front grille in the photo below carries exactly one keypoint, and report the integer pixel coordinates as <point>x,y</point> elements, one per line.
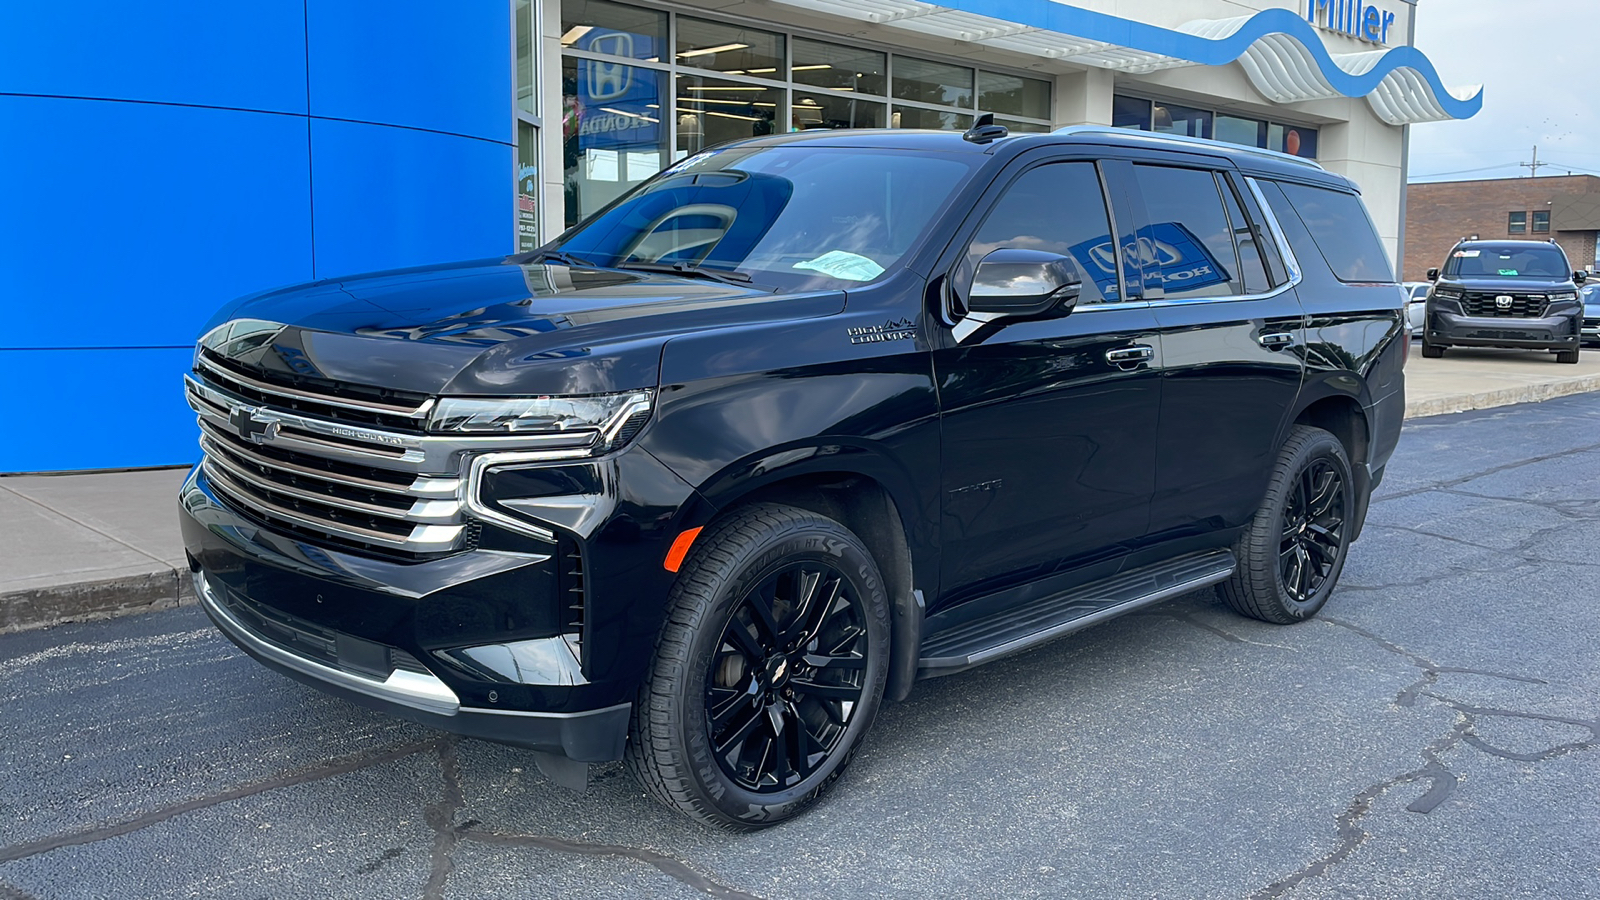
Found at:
<point>308,464</point>
<point>1523,306</point>
<point>401,411</point>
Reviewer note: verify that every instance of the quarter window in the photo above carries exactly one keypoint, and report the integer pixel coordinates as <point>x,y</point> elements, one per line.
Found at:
<point>1342,231</point>
<point>1057,208</point>
<point>1541,222</point>
<point>1517,223</point>
<point>1186,240</point>
<point>1251,268</point>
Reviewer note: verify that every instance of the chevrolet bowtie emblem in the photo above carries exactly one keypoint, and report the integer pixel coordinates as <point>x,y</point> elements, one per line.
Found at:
<point>253,424</point>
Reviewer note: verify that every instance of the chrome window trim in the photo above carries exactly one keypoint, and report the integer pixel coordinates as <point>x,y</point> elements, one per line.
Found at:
<point>324,399</point>
<point>413,689</point>
<point>1290,262</point>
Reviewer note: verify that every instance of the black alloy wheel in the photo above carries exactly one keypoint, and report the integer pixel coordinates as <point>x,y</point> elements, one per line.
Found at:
<point>1313,531</point>
<point>1292,550</point>
<point>768,672</point>
<point>786,677</point>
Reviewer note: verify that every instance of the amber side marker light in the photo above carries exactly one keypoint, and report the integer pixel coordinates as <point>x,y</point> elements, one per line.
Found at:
<point>680,549</point>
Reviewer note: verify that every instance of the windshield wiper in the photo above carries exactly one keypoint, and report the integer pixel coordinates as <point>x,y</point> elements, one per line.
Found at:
<point>692,271</point>
<point>564,258</point>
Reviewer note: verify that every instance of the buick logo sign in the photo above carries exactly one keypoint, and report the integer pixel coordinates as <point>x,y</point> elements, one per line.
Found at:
<point>253,424</point>
<point>1502,301</point>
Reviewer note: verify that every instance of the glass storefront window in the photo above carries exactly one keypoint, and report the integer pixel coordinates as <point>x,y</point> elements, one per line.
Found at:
<point>1020,127</point>
<point>716,110</point>
<point>913,117</point>
<point>1013,95</point>
<point>932,82</point>
<point>527,54</point>
<point>1239,130</point>
<point>1130,112</point>
<point>527,187</point>
<point>729,48</point>
<point>1170,118</point>
<point>613,133</point>
<point>614,29</point>
<point>839,68</point>
<point>1295,140</point>
<point>837,111</point>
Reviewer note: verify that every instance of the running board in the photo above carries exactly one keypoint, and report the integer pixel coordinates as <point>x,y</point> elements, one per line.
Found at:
<point>1019,628</point>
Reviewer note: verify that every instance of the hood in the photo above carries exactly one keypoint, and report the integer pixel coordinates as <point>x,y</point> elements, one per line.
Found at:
<point>491,326</point>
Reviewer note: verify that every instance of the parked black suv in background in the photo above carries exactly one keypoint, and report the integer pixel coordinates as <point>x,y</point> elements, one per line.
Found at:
<point>794,424</point>
<point>1520,294</point>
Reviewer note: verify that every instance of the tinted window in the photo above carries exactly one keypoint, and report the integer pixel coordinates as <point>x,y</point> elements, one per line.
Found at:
<point>1343,232</point>
<point>1186,235</point>
<point>1244,236</point>
<point>1058,208</point>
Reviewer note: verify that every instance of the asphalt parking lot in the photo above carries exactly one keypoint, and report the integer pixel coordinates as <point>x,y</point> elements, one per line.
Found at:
<point>1431,735</point>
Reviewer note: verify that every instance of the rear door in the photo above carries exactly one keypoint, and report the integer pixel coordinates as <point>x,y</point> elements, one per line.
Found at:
<point>1048,427</point>
<point>1232,337</point>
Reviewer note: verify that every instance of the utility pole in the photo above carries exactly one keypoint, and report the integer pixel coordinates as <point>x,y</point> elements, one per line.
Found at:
<point>1533,167</point>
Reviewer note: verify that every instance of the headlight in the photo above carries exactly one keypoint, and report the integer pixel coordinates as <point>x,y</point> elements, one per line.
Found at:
<point>1565,295</point>
<point>606,414</point>
<point>1446,294</point>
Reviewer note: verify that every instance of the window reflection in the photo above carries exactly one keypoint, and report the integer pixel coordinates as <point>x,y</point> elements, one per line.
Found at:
<point>712,111</point>
<point>612,131</point>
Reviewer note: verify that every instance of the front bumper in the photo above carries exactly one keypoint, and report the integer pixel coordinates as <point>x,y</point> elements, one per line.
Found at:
<point>1547,333</point>
<point>463,643</point>
<point>1591,329</point>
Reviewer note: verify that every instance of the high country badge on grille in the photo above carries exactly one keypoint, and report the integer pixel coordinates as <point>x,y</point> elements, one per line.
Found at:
<point>253,424</point>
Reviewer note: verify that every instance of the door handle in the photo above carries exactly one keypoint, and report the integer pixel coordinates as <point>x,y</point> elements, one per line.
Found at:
<point>1125,356</point>
<point>1276,340</point>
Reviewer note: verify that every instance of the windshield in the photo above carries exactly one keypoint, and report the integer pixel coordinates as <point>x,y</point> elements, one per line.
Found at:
<point>1538,261</point>
<point>792,217</point>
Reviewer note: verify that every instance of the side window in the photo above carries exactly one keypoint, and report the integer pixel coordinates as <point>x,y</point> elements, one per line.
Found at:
<point>1058,208</point>
<point>1187,235</point>
<point>1244,237</point>
<point>1343,232</point>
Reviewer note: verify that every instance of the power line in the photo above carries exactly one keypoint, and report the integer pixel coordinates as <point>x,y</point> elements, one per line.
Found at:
<point>1533,167</point>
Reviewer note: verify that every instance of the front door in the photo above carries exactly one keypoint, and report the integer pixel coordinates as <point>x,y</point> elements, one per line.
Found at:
<point>1049,426</point>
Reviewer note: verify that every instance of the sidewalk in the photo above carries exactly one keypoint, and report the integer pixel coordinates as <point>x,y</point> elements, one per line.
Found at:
<point>105,544</point>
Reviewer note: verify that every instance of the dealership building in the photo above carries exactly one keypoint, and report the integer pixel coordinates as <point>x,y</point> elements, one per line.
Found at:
<point>161,159</point>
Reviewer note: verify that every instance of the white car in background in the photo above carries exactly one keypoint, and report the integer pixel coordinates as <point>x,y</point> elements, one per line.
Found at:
<point>1416,304</point>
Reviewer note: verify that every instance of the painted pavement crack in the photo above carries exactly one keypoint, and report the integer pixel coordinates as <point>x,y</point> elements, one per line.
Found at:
<point>1442,782</point>
<point>318,772</point>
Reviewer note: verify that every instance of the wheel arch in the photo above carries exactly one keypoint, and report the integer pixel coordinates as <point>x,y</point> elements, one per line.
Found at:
<point>1342,415</point>
<point>864,503</point>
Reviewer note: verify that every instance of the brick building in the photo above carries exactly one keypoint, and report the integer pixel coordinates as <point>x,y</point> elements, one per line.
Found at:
<point>1563,207</point>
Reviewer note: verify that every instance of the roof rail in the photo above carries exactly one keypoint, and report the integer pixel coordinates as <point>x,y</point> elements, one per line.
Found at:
<point>1192,141</point>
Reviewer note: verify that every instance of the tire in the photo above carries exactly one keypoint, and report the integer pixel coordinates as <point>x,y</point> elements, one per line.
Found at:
<point>1567,356</point>
<point>1431,351</point>
<point>1289,561</point>
<point>721,668</point>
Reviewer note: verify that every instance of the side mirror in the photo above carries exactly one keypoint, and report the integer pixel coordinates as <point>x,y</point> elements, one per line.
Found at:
<point>1016,282</point>
<point>1433,274</point>
<point>1579,277</point>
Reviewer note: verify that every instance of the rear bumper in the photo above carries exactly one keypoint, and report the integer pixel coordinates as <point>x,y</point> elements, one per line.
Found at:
<point>1548,333</point>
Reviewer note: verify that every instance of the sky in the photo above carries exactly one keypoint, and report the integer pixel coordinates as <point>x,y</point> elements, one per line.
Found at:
<point>1536,61</point>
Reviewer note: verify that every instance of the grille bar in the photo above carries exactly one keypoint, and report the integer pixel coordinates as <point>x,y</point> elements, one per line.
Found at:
<point>421,486</point>
<point>1523,306</point>
<point>422,538</point>
<point>228,377</point>
<point>441,512</point>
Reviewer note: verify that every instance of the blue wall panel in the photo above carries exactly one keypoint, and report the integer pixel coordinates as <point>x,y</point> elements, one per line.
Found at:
<point>140,219</point>
<point>440,66</point>
<point>146,422</point>
<point>390,197</point>
<point>206,52</point>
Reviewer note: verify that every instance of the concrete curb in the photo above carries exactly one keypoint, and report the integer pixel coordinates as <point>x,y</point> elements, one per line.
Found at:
<point>84,601</point>
<point>1527,393</point>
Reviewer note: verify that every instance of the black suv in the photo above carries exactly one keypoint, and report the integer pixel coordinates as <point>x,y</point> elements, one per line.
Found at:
<point>792,425</point>
<point>1519,294</point>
